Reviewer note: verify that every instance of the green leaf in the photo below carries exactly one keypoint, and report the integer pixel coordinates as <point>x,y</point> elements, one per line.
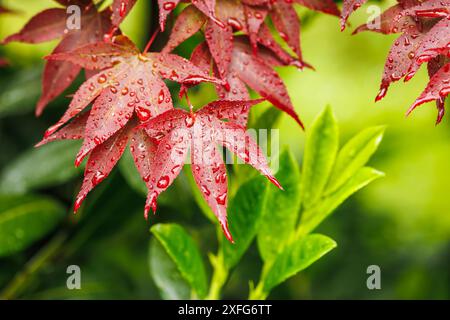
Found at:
<point>354,155</point>
<point>313,217</point>
<point>266,120</point>
<point>244,215</point>
<point>296,257</point>
<point>281,208</point>
<point>26,219</point>
<point>320,151</point>
<point>184,252</point>
<point>20,92</point>
<point>46,166</point>
<point>130,173</point>
<point>166,275</point>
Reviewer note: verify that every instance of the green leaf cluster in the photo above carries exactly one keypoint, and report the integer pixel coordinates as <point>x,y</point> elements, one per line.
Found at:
<point>281,222</point>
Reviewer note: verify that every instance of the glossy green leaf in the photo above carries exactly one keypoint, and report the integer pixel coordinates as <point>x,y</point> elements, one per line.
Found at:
<point>46,166</point>
<point>184,252</point>
<point>20,92</point>
<point>268,119</point>
<point>322,143</point>
<point>130,173</point>
<point>26,219</point>
<point>281,208</point>
<point>354,155</point>
<point>244,215</point>
<point>165,273</point>
<point>296,257</point>
<point>314,216</point>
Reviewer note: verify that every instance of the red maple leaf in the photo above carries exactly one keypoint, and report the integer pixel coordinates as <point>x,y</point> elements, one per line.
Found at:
<point>120,9</point>
<point>129,83</point>
<point>348,6</point>
<point>425,38</point>
<point>248,17</point>
<point>205,6</point>
<point>246,69</point>
<point>52,24</point>
<point>173,133</point>
<point>438,87</point>
<point>132,105</point>
<point>389,21</point>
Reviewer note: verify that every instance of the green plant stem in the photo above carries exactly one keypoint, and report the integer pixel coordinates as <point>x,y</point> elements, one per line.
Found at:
<point>257,293</point>
<point>19,282</point>
<point>219,277</point>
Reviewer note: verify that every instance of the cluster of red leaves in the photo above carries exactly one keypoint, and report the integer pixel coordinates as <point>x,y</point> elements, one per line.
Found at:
<point>50,24</point>
<point>425,38</point>
<point>247,59</point>
<point>132,105</point>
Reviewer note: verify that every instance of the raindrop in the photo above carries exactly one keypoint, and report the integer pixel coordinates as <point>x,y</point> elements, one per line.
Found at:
<point>143,114</point>
<point>221,199</point>
<point>101,79</point>
<point>98,177</point>
<point>163,182</point>
<point>189,121</point>
<point>169,6</point>
<point>206,191</point>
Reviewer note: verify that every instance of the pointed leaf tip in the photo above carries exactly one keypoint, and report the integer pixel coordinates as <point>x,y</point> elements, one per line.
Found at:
<point>297,119</point>
<point>150,204</point>
<point>275,182</point>
<point>147,211</point>
<point>79,159</point>
<point>40,143</point>
<point>441,111</point>
<point>226,230</point>
<point>78,202</point>
<point>382,93</point>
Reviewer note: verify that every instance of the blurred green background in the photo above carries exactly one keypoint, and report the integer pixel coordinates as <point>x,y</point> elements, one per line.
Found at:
<point>401,222</point>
